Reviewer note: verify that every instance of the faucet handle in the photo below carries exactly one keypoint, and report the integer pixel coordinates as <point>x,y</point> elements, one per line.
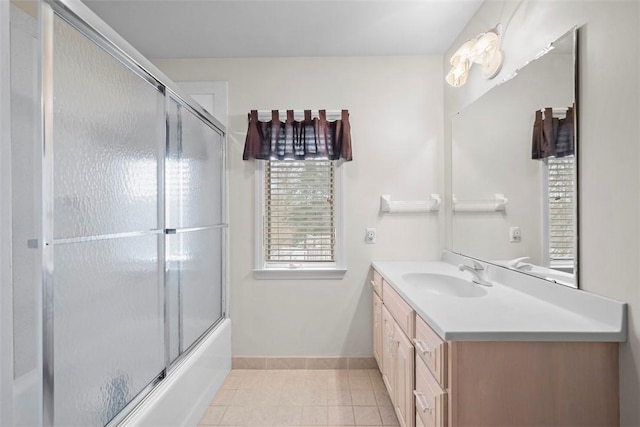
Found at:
<point>477,265</point>
<point>515,262</point>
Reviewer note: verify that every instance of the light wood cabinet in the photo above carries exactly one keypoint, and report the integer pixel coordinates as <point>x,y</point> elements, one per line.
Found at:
<point>376,283</point>
<point>399,309</point>
<point>388,349</point>
<point>431,398</point>
<point>437,383</point>
<point>432,350</point>
<point>516,383</point>
<point>397,352</point>
<point>404,375</point>
<point>377,328</point>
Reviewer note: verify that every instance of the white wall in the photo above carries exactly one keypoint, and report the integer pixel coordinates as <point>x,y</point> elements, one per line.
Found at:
<point>609,142</point>
<point>395,106</point>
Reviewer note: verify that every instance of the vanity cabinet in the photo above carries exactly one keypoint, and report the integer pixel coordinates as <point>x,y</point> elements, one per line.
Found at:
<point>398,359</point>
<point>431,398</point>
<point>388,352</point>
<point>438,383</point>
<point>404,382</point>
<point>377,329</point>
<point>431,376</point>
<point>514,383</point>
<point>376,283</point>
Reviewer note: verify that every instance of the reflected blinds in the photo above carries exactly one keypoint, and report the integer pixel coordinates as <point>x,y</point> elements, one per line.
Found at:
<point>299,219</point>
<point>561,172</point>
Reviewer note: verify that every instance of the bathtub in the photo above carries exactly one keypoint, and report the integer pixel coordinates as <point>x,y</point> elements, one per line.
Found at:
<point>182,398</point>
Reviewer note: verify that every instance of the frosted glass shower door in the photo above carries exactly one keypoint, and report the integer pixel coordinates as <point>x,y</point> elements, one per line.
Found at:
<point>194,189</point>
<point>106,265</point>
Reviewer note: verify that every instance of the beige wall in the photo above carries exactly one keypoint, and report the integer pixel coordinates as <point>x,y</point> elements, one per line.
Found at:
<point>609,145</point>
<point>395,106</point>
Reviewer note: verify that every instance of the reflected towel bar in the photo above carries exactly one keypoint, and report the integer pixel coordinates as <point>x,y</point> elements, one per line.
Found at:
<point>431,205</point>
<point>497,204</point>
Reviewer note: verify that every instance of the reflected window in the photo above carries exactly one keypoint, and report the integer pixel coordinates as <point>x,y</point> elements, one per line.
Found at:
<point>561,212</point>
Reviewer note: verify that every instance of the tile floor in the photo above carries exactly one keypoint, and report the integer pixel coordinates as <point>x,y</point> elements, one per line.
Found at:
<point>301,398</point>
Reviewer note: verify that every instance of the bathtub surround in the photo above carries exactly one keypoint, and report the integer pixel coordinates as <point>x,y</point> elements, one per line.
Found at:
<point>186,393</point>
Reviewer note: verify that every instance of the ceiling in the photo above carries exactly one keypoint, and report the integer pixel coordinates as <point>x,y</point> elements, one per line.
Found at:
<point>286,28</point>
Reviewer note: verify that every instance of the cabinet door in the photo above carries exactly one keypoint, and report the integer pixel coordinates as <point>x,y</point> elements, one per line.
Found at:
<point>377,329</point>
<point>388,352</point>
<point>404,379</point>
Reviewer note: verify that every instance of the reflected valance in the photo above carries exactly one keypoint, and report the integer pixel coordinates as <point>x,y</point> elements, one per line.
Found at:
<point>309,138</point>
<point>553,136</point>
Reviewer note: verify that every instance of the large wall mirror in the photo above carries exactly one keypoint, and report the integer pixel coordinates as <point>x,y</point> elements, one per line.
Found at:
<point>514,169</point>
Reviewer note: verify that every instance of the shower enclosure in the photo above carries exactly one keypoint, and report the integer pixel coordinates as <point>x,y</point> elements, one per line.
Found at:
<point>113,189</point>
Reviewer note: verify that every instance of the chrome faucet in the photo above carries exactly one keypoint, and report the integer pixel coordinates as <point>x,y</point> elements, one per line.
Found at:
<point>479,273</point>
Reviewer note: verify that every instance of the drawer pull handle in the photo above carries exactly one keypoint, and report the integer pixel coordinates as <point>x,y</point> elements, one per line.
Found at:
<point>422,402</point>
<point>422,347</point>
<point>373,284</point>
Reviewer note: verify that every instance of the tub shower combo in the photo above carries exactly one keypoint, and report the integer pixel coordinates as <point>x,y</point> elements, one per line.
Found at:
<point>118,230</point>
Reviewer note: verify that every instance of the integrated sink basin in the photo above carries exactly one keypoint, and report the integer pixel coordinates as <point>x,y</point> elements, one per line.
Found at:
<point>444,284</point>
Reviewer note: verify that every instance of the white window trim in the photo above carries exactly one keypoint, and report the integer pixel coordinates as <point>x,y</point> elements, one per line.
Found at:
<point>332,271</point>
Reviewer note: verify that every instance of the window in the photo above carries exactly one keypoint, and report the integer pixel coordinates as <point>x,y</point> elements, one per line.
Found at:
<point>561,202</point>
<point>299,224</point>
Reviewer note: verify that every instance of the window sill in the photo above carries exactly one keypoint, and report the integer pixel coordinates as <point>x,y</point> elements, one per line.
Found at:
<point>562,264</point>
<point>299,273</point>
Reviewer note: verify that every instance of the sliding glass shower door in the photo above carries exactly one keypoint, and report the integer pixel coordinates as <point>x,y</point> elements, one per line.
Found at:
<point>134,225</point>
<point>194,219</point>
<point>107,142</point>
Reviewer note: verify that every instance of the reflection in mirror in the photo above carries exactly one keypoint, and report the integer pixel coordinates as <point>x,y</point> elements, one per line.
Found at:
<point>518,140</point>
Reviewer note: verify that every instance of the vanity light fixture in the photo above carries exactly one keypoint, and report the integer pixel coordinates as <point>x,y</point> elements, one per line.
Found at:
<point>484,49</point>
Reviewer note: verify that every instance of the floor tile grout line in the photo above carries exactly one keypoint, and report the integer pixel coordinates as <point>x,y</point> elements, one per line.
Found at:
<point>254,384</point>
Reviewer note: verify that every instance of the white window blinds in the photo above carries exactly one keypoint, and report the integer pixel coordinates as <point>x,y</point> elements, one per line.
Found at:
<point>299,216</point>
<point>561,173</point>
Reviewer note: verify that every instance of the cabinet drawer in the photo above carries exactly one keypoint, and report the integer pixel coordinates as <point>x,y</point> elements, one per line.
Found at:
<point>400,310</point>
<point>419,422</point>
<point>376,282</point>
<point>432,350</point>
<point>431,399</point>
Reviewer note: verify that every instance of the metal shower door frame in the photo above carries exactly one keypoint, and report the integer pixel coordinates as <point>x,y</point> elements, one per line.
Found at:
<point>79,16</point>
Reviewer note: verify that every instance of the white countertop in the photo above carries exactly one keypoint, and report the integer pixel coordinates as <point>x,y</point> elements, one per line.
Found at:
<point>516,308</point>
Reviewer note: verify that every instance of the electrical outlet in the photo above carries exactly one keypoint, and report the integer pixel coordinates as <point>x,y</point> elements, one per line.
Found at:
<point>370,235</point>
<point>514,234</point>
